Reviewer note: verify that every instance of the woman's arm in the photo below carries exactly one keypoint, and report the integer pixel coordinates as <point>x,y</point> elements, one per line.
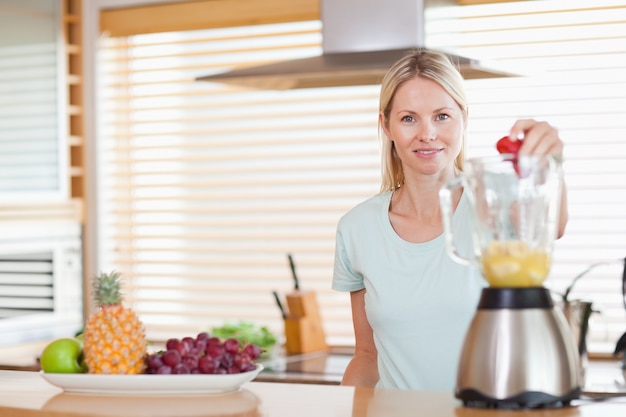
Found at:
<point>362,371</point>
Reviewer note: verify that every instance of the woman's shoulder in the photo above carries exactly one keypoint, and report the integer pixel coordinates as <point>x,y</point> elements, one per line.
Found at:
<point>368,209</point>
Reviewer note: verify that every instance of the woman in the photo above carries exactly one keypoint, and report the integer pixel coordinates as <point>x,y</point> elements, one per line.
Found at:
<point>411,303</point>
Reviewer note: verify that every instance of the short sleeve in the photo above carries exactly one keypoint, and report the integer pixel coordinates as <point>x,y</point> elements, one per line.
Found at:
<point>344,277</point>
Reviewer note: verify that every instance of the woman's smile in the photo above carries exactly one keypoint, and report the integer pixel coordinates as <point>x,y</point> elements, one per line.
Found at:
<point>428,153</point>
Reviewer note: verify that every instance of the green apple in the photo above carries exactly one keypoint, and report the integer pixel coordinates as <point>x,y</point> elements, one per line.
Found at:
<point>63,356</point>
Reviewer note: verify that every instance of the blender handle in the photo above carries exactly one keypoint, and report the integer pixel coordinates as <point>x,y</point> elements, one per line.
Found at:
<point>445,201</point>
<point>624,283</point>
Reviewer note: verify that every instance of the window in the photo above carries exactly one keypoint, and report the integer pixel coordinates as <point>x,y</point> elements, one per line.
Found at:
<point>32,137</point>
<point>575,56</point>
<point>206,188</point>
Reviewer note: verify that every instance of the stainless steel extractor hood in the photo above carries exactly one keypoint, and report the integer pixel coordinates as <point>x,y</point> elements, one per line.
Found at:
<point>361,39</point>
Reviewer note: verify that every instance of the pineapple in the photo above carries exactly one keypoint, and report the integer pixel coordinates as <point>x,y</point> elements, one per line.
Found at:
<point>114,337</point>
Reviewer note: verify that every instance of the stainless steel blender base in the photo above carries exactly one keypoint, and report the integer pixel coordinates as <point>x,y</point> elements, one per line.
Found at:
<point>524,400</point>
<point>518,353</point>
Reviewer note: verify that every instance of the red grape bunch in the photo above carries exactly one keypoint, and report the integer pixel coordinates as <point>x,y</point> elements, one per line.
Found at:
<point>203,355</point>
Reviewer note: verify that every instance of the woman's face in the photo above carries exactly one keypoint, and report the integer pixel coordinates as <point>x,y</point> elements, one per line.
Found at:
<point>426,126</point>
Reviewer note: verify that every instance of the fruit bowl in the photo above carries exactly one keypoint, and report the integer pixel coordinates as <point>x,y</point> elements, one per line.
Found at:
<point>144,384</point>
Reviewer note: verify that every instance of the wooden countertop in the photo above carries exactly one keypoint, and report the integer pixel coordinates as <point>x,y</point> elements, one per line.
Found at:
<point>26,394</point>
<point>603,375</point>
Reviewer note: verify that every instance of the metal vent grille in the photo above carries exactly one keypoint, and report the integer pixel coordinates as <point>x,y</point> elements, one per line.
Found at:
<point>26,284</point>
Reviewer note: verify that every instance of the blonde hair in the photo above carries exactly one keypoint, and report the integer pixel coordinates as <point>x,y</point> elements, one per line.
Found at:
<point>429,64</point>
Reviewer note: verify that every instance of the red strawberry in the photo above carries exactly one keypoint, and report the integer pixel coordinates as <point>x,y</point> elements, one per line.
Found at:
<point>507,145</point>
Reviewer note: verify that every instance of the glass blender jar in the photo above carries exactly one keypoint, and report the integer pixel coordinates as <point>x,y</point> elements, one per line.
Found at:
<point>518,351</point>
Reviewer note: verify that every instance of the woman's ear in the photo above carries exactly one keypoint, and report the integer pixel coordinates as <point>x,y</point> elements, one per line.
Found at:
<point>383,123</point>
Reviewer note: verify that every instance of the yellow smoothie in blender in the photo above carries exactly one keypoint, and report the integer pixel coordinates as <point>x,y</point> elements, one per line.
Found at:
<point>514,264</point>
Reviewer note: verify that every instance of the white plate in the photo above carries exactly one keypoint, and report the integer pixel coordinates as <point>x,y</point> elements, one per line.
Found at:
<point>146,384</point>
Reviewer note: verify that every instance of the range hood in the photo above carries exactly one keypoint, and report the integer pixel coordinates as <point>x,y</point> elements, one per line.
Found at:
<point>361,39</point>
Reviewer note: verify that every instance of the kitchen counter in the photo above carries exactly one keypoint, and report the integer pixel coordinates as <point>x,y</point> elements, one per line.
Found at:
<point>603,376</point>
<point>26,394</point>
<point>326,367</point>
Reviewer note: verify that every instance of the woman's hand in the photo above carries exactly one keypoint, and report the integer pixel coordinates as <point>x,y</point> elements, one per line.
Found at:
<point>540,138</point>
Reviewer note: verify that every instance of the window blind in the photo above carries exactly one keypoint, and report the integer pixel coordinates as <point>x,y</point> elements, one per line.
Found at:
<point>573,54</point>
<point>31,133</point>
<point>206,188</point>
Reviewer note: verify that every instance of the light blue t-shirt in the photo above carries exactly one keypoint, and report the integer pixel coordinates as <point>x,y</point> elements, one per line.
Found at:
<point>418,301</point>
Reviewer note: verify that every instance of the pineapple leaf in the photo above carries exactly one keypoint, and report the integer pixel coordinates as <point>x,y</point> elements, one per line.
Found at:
<point>107,289</point>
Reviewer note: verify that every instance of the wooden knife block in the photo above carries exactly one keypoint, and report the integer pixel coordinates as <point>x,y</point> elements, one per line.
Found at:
<point>303,326</point>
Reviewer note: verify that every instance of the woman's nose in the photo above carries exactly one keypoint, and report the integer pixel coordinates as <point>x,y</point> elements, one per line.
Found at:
<point>427,132</point>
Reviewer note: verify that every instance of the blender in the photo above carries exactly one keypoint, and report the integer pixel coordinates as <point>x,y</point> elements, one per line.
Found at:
<point>518,351</point>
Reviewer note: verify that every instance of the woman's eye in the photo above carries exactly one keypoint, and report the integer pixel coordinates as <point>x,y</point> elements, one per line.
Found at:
<point>407,119</point>
<point>442,116</point>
